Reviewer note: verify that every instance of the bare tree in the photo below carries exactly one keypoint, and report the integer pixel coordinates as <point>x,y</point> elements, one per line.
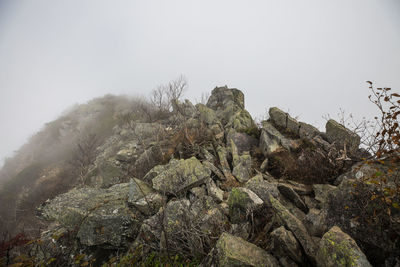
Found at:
<point>164,95</point>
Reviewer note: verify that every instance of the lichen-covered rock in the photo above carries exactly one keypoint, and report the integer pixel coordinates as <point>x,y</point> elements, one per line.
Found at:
<point>241,164</point>
<point>285,244</point>
<point>214,191</point>
<point>147,160</point>
<point>181,177</point>
<point>223,97</point>
<point>262,188</point>
<point>316,222</point>
<point>240,121</point>
<point>272,140</point>
<point>102,216</point>
<point>335,132</point>
<point>336,248</point>
<point>138,189</point>
<point>232,251</point>
<point>322,191</point>
<point>242,202</point>
<point>296,227</point>
<point>283,120</point>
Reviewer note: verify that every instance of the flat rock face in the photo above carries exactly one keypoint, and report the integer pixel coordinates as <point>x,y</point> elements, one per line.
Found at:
<point>336,248</point>
<point>283,120</point>
<point>285,244</point>
<point>102,216</point>
<point>335,132</point>
<point>181,177</point>
<point>234,251</point>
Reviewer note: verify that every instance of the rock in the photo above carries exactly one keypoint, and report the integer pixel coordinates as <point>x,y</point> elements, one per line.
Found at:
<point>296,227</point>
<point>285,244</point>
<point>214,191</point>
<point>299,188</point>
<point>198,192</point>
<point>150,204</point>
<point>307,130</point>
<point>262,188</point>
<point>316,222</point>
<point>105,174</point>
<point>290,194</point>
<point>184,226</point>
<point>241,121</point>
<point>187,109</point>
<point>147,160</point>
<point>156,170</point>
<point>222,155</point>
<point>283,120</point>
<point>181,177</point>
<point>232,251</point>
<point>138,189</point>
<point>242,202</point>
<point>336,248</point>
<point>321,192</point>
<point>241,165</point>
<point>101,216</point>
<point>125,155</point>
<point>222,97</point>
<point>339,134</point>
<point>271,140</point>
<point>243,141</point>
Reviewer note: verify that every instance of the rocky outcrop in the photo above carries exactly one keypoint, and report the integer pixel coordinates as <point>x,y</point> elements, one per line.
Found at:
<point>240,196</point>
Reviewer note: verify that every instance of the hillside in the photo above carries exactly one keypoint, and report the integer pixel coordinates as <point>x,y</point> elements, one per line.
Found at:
<point>123,182</point>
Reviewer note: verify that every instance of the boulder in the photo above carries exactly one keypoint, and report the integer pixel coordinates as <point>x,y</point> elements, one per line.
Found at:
<point>105,174</point>
<point>242,202</point>
<point>335,132</point>
<point>290,194</point>
<point>149,204</point>
<point>296,227</point>
<point>322,191</point>
<point>262,188</point>
<point>316,222</point>
<point>243,141</point>
<point>307,130</point>
<point>285,244</point>
<point>232,251</point>
<point>283,120</point>
<point>181,177</point>
<point>102,216</point>
<point>336,248</point>
<point>214,191</point>
<point>271,140</point>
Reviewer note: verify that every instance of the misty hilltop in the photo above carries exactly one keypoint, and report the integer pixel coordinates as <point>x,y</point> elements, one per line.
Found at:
<point>124,181</point>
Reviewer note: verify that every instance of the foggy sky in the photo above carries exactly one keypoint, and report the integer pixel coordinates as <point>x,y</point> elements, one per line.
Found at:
<point>308,57</point>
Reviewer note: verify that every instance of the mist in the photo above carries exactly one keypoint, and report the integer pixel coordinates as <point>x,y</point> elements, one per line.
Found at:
<point>309,58</point>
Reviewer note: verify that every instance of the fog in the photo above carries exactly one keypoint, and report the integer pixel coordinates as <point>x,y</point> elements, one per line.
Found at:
<point>307,57</point>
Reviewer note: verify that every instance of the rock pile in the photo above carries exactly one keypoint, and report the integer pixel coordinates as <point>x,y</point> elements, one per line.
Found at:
<point>278,195</point>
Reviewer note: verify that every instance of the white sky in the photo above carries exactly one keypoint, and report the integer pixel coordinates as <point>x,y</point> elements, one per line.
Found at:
<point>308,57</point>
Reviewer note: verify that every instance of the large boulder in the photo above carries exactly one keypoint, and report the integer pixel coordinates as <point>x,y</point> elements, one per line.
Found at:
<point>243,141</point>
<point>181,177</point>
<point>232,251</point>
<point>262,188</point>
<point>336,248</point>
<point>335,132</point>
<point>241,164</point>
<point>102,216</point>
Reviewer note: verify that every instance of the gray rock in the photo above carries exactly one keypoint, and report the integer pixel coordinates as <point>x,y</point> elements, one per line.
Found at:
<point>290,194</point>
<point>241,165</point>
<point>150,204</point>
<point>316,222</point>
<point>262,187</point>
<point>336,248</point>
<point>242,202</point>
<point>214,191</point>
<point>243,141</point>
<point>232,251</point>
<point>296,227</point>
<point>283,120</point>
<point>272,140</point>
<point>307,130</point>
<point>322,192</point>
<point>335,132</point>
<point>181,177</point>
<point>285,244</point>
